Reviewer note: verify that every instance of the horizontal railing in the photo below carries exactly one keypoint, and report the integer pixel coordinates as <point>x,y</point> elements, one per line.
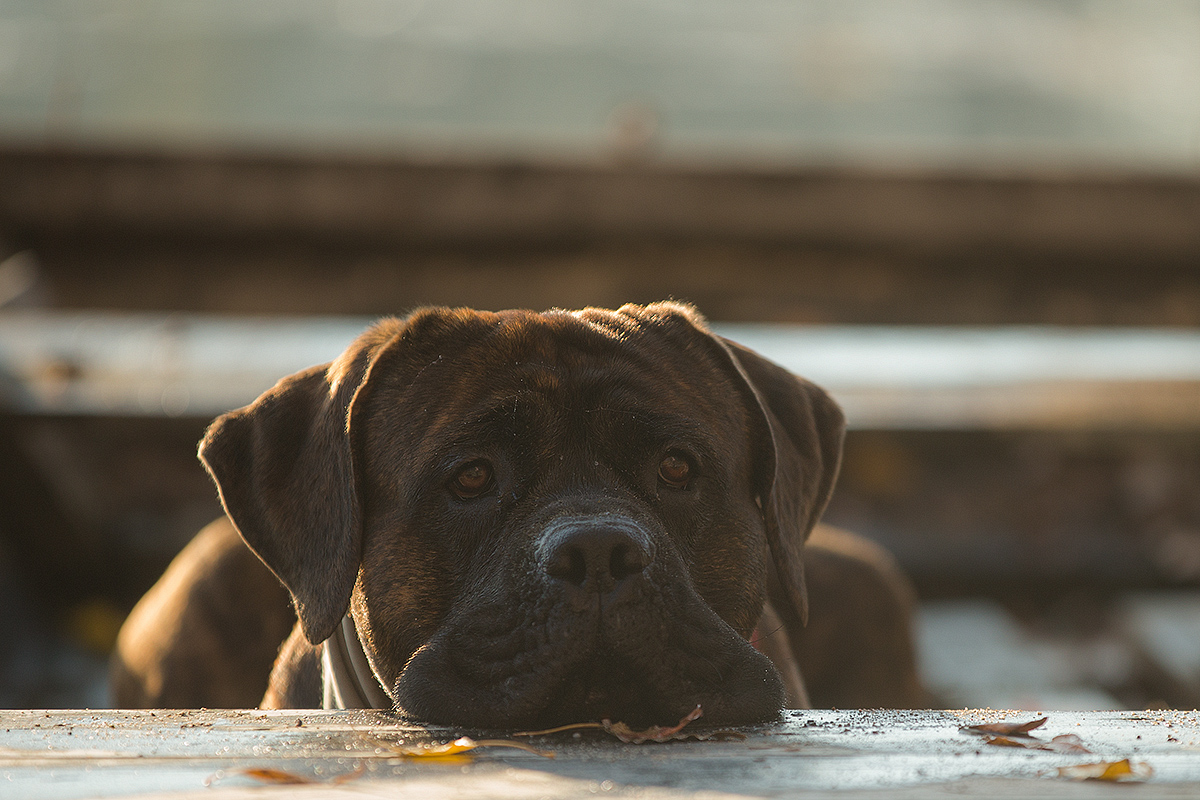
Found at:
<point>148,364</point>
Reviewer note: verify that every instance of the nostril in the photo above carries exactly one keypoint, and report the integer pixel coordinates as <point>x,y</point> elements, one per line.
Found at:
<point>626,560</point>
<point>568,564</point>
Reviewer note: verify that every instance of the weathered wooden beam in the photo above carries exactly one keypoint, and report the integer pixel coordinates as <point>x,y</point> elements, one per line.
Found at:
<point>58,192</point>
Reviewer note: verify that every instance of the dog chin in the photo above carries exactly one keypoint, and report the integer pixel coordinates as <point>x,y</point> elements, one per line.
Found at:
<point>735,686</point>
<point>609,689</point>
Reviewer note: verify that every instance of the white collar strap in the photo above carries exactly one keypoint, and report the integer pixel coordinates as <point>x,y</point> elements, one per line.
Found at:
<point>346,675</point>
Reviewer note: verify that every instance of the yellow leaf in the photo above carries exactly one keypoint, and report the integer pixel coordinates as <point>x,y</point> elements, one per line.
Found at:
<point>459,748</point>
<point>1123,770</point>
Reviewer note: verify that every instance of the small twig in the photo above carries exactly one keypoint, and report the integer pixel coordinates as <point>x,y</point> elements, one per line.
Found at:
<point>572,727</point>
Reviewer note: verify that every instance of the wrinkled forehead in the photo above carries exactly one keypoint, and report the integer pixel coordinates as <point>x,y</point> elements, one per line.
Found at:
<point>561,358</point>
<point>509,366</point>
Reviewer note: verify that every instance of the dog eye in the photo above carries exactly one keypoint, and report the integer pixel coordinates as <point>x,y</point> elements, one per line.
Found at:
<point>674,470</point>
<point>472,480</point>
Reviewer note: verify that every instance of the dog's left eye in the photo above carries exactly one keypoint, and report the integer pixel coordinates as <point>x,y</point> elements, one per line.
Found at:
<point>472,480</point>
<point>674,470</point>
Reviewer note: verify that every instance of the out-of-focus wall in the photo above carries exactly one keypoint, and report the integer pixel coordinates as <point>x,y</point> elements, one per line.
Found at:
<point>907,162</point>
<point>1108,84</point>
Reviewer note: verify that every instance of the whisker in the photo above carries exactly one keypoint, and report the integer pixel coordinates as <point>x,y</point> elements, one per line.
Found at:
<point>759,636</point>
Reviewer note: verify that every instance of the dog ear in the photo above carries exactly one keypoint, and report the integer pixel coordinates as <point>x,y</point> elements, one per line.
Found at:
<point>284,467</point>
<point>806,428</point>
<point>796,456</point>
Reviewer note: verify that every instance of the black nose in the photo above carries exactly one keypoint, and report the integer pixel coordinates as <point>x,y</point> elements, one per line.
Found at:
<point>595,553</point>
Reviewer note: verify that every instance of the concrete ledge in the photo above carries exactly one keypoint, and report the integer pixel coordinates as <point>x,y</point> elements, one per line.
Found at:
<point>56,755</point>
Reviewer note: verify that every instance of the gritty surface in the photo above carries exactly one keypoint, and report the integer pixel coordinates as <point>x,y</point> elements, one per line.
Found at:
<point>76,754</point>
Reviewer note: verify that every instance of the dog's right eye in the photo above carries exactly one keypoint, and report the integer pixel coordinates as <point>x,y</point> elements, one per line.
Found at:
<point>675,470</point>
<point>472,480</point>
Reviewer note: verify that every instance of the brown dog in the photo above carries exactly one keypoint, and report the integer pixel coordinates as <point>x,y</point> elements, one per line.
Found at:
<point>520,519</point>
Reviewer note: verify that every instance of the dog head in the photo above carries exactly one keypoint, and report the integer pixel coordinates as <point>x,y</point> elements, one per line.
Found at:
<point>540,518</point>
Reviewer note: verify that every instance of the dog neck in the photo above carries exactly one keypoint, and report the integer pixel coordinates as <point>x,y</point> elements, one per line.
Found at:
<point>346,675</point>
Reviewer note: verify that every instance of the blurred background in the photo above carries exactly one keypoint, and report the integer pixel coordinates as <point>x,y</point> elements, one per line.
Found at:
<point>977,223</point>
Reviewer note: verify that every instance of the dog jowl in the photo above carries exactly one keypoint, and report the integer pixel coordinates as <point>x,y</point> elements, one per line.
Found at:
<point>518,519</point>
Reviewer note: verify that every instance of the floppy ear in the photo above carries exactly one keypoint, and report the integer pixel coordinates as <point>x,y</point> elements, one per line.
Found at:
<point>803,454</point>
<point>797,452</point>
<point>284,467</point>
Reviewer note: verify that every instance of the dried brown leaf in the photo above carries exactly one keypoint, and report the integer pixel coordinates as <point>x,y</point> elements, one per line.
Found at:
<point>276,776</point>
<point>1005,741</point>
<point>1006,728</point>
<point>1068,743</point>
<point>1116,771</point>
<point>655,733</point>
<point>284,778</point>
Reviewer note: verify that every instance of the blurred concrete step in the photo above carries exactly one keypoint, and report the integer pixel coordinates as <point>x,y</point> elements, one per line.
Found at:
<point>975,654</point>
<point>1165,628</point>
<point>1015,377</point>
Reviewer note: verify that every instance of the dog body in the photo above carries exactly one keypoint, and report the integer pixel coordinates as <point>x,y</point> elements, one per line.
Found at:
<point>522,520</point>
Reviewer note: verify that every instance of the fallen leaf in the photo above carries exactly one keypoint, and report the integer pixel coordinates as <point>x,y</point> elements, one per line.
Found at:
<point>1005,741</point>
<point>460,747</point>
<point>1068,743</point>
<point>1006,728</point>
<point>1122,770</point>
<point>285,778</point>
<point>655,733</point>
<point>429,750</point>
<point>277,776</point>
